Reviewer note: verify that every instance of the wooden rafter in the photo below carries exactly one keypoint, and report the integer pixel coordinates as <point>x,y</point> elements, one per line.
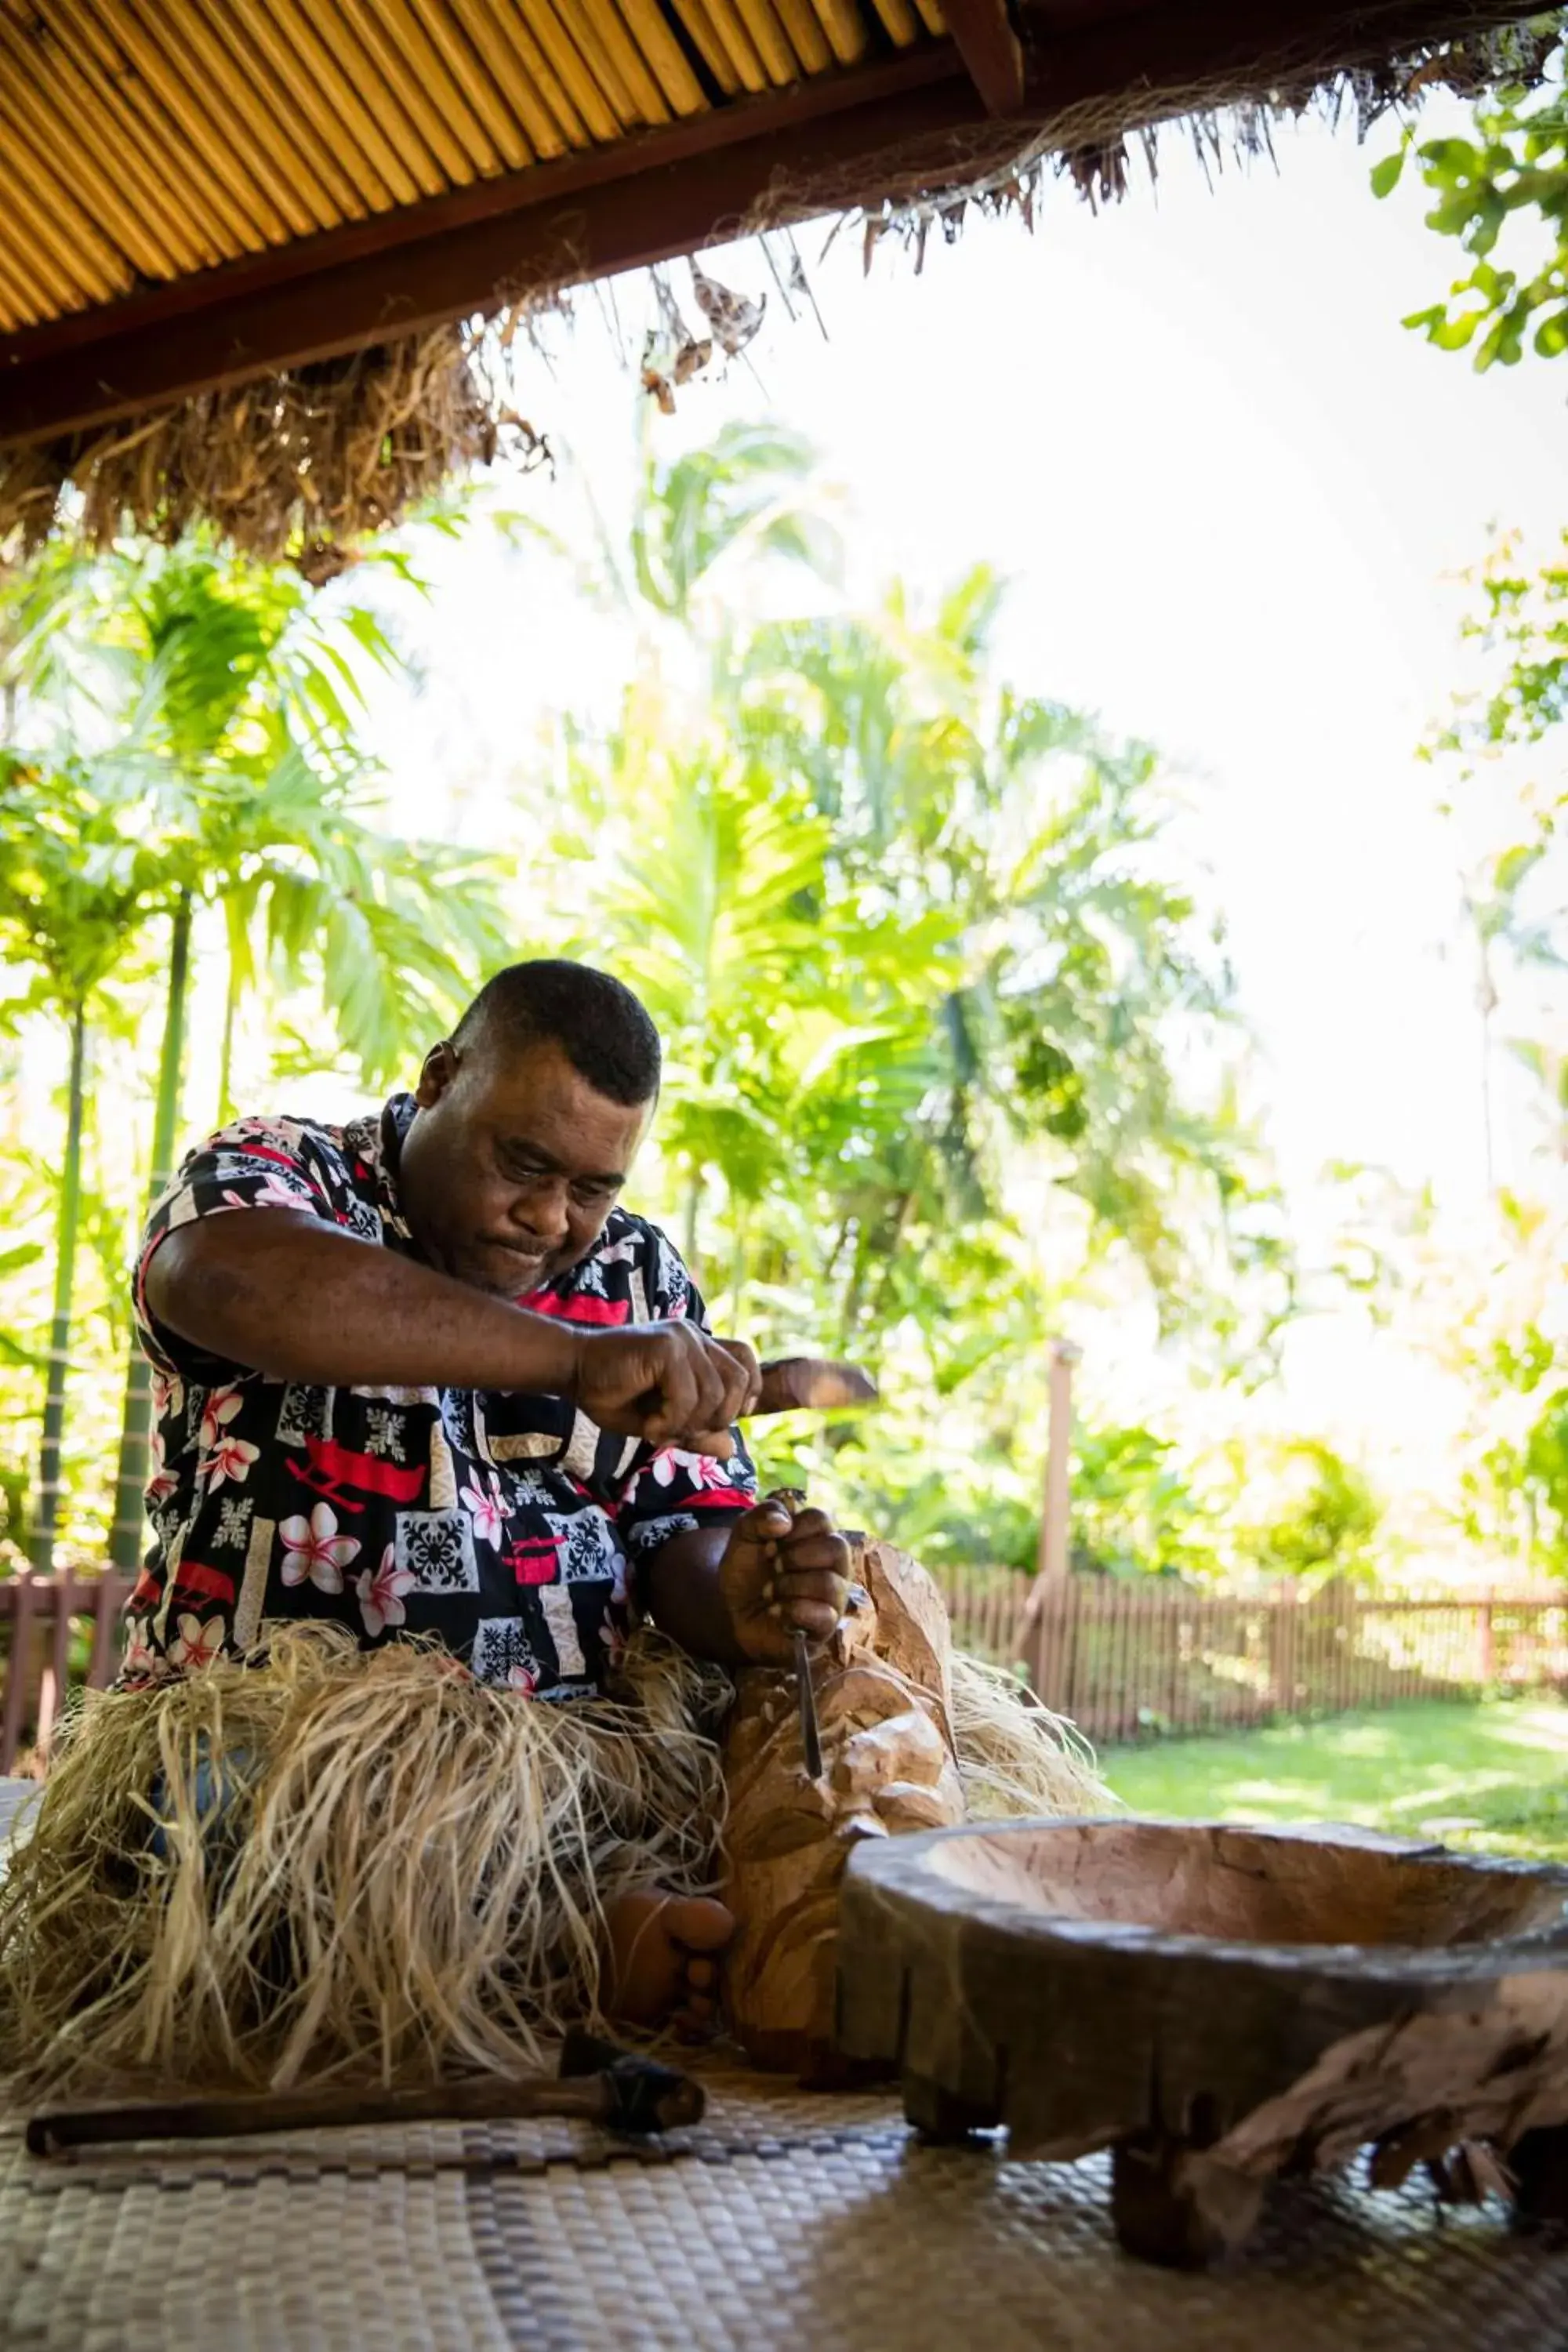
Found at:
<point>616,207</point>
<point>991,52</point>
<point>919,121</point>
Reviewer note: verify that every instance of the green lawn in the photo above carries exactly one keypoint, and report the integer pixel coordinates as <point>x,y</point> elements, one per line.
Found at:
<point>1491,1776</point>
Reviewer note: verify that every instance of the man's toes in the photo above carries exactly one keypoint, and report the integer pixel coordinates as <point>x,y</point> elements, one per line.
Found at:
<point>696,1923</point>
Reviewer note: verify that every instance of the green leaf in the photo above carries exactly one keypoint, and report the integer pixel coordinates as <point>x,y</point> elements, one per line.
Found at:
<point>1385,175</point>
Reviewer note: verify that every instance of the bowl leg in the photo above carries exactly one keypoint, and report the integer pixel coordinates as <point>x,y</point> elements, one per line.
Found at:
<point>1539,2163</point>
<point>1170,2203</point>
<point>944,2115</point>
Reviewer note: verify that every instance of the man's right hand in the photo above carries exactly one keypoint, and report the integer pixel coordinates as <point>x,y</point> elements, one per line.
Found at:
<point>668,1383</point>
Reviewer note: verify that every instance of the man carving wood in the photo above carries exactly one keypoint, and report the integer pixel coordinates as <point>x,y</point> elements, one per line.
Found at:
<point>439,1425</point>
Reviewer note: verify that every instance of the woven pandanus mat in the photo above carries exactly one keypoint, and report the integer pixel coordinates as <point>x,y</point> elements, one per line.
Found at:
<point>786,2219</point>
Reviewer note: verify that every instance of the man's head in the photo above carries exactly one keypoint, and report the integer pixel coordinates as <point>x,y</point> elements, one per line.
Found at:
<point>530,1115</point>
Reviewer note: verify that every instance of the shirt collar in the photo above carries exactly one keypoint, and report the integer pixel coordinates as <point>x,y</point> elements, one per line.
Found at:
<point>398,1114</point>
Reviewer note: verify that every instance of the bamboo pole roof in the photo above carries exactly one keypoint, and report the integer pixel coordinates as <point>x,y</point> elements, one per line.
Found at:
<point>196,195</point>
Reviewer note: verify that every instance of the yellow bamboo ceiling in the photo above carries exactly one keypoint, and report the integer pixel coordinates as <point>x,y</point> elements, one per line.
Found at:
<point>148,140</point>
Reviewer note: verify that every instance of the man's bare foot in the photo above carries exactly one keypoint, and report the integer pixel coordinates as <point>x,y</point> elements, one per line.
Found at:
<point>662,1963</point>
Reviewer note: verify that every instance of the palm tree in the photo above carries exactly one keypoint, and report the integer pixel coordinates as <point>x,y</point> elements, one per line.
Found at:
<point>221,704</point>
<point>241,709</point>
<point>75,881</point>
<point>899,921</point>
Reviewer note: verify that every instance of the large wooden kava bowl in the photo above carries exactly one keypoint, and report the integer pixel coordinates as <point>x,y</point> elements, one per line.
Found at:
<point>1220,2006</point>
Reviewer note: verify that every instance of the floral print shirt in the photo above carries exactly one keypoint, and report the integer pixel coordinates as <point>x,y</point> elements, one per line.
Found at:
<point>501,1523</point>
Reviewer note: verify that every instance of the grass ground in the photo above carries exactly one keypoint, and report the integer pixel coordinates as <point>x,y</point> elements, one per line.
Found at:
<point>1491,1778</point>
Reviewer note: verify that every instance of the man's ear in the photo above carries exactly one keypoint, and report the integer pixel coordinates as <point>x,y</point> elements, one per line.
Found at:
<point>439,1069</point>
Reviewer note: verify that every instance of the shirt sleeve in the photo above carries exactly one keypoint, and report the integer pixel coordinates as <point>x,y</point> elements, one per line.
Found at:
<point>670,1492</point>
<point>255,1164</point>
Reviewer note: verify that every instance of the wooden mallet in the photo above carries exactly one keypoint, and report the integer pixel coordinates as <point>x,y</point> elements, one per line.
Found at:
<point>598,2083</point>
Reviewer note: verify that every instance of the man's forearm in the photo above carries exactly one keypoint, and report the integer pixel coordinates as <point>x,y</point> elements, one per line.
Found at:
<point>680,1590</point>
<point>287,1296</point>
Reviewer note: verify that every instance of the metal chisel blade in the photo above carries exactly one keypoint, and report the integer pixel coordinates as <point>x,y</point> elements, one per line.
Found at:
<point>810,1738</point>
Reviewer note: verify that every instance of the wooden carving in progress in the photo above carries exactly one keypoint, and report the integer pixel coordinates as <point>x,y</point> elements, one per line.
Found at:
<point>884,1705</point>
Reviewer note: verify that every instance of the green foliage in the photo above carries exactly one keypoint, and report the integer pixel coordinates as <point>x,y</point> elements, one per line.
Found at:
<point>1134,1508</point>
<point>183,729</point>
<point>1506,182</point>
<point>1487,1779</point>
<point>1328,1523</point>
<point>901,925</point>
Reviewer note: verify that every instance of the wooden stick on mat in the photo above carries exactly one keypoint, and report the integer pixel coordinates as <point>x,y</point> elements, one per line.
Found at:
<point>597,2083</point>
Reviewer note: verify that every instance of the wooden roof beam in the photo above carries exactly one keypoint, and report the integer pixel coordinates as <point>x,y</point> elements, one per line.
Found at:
<point>642,199</point>
<point>991,52</point>
<point>917,121</point>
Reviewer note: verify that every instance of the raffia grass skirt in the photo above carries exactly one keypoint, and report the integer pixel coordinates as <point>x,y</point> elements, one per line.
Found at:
<point>327,1864</point>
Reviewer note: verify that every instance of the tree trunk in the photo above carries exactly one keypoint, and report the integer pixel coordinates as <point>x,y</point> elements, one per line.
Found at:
<point>47,1517</point>
<point>225,1057</point>
<point>693,1206</point>
<point>126,1535</point>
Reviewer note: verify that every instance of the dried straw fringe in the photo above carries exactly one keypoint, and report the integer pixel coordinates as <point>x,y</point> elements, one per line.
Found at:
<point>410,1870</point>
<point>297,467</point>
<point>1014,1757</point>
<point>408,1878</point>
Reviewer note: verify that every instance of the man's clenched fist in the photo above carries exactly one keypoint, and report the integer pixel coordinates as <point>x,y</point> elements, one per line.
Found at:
<point>785,1567</point>
<point>668,1383</point>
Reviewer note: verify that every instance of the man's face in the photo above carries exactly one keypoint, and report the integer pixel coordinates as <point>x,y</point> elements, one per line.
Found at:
<point>513,1165</point>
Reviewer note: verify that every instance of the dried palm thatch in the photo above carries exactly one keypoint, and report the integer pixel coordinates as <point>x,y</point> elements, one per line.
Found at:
<point>1347,66</point>
<point>356,1865</point>
<point>298,466</point>
<point>1014,1757</point>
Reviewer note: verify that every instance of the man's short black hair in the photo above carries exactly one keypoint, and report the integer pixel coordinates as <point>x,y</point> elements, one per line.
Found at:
<point>603,1031</point>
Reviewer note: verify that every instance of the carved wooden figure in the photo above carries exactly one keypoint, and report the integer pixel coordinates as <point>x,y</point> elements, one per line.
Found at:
<point>884,1706</point>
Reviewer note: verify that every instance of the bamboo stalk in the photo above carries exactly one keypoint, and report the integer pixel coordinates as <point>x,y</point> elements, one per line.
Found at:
<point>200,196</point>
<point>402,160</point>
<point>584,90</point>
<point>20,293</point>
<point>527,75</point>
<point>429,64</point>
<point>659,46</point>
<point>806,37</point>
<point>449,31</point>
<point>765,30</point>
<point>207,126</point>
<point>388,67</point>
<point>899,22</point>
<point>136,1420</point>
<point>704,37</point>
<point>277,142</point>
<point>367,189</point>
<point>72,86</point>
<point>740,47</point>
<point>46,1520</point>
<point>620,73</point>
<point>846,29</point>
<point>272,104</point>
<point>34,124</point>
<point>73,278</point>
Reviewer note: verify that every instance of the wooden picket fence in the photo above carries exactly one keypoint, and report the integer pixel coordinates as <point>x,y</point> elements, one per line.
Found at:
<point>1126,1659</point>
<point>57,1633</point>
<point>1132,1659</point>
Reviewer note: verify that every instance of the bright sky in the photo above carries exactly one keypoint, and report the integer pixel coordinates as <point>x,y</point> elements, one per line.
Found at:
<point>1231,493</point>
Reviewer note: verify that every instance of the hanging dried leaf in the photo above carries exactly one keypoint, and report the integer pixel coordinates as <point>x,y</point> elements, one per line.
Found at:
<point>733,319</point>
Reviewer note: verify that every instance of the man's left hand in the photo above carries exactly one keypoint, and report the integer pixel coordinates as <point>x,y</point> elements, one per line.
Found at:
<point>783,1570</point>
